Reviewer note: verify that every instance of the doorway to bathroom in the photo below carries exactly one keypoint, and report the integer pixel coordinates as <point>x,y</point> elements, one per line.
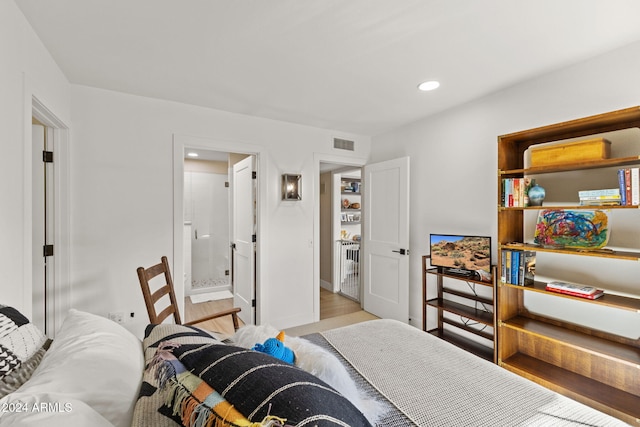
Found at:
<point>207,231</point>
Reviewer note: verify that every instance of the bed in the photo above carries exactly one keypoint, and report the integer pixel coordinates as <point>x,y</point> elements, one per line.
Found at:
<point>387,373</point>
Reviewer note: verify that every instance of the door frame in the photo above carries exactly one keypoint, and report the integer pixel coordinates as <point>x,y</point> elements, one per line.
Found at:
<point>33,107</point>
<point>180,142</point>
<point>356,162</point>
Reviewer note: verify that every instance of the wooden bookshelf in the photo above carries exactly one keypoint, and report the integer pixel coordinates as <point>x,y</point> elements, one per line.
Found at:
<point>593,366</point>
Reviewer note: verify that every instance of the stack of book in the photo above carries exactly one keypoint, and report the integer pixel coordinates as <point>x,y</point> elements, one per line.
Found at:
<point>514,192</point>
<point>518,267</point>
<point>606,197</point>
<point>629,183</point>
<point>588,292</point>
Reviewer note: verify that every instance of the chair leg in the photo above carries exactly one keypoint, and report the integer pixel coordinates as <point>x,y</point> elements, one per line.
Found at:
<point>236,325</point>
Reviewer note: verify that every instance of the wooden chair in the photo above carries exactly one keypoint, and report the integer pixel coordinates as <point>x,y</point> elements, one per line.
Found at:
<point>150,299</point>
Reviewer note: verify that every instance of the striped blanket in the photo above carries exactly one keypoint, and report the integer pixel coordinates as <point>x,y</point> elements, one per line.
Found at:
<point>194,401</point>
<point>194,380</point>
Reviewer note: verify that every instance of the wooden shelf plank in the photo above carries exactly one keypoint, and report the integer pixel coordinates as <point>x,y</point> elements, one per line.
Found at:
<point>573,207</point>
<point>588,343</point>
<point>464,343</point>
<point>609,300</point>
<point>600,253</point>
<point>593,164</point>
<point>483,300</point>
<point>463,310</point>
<point>434,271</point>
<point>481,333</point>
<point>615,402</point>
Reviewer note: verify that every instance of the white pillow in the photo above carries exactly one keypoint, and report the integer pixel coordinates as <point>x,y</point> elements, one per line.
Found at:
<point>50,409</point>
<point>93,360</point>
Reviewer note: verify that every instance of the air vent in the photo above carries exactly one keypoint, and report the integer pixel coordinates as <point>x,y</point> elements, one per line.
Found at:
<point>343,144</point>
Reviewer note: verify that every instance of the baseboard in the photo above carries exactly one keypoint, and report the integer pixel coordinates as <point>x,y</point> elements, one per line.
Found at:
<point>328,286</point>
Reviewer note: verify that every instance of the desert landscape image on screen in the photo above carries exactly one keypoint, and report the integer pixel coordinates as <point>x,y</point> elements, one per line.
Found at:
<point>463,252</point>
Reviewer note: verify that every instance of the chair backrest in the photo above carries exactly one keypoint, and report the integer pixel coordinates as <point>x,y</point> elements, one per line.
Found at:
<point>150,299</point>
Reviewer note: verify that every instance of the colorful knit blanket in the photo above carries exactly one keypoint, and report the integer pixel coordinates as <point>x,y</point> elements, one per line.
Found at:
<point>221,385</point>
<point>193,400</point>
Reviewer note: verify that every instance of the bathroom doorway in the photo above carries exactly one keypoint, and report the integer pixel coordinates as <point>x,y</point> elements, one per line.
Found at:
<point>207,222</point>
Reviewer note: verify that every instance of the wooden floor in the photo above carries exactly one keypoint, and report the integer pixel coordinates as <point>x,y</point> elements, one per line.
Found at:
<point>331,305</point>
<point>223,326</point>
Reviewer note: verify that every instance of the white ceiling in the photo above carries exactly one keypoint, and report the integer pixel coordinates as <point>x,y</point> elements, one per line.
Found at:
<point>348,65</point>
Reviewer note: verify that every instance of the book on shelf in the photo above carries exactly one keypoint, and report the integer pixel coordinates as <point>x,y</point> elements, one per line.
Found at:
<point>622,186</point>
<point>529,262</point>
<point>600,197</point>
<point>604,197</point>
<point>627,186</point>
<point>515,267</point>
<point>508,267</point>
<point>518,267</point>
<point>572,287</point>
<point>600,202</point>
<point>629,183</point>
<point>592,296</point>
<point>599,193</point>
<point>514,192</point>
<point>635,186</point>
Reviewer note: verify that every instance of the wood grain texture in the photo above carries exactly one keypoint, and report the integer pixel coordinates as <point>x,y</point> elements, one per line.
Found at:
<point>331,305</point>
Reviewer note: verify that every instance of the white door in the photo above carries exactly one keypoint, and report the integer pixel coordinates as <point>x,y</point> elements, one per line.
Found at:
<point>386,239</point>
<point>42,230</point>
<point>244,232</point>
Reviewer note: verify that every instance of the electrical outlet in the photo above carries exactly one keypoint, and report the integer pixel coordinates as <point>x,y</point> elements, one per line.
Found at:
<point>117,317</point>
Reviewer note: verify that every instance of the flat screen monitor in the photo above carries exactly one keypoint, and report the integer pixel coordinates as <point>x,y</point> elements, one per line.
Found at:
<point>462,255</point>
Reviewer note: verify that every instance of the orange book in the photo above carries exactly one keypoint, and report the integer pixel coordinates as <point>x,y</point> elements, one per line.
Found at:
<point>627,185</point>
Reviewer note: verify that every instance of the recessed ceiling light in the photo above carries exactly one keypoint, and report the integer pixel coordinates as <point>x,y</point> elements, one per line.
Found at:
<point>430,85</point>
<point>192,154</point>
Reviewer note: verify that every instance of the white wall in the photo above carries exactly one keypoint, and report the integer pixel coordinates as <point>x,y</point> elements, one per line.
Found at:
<point>454,155</point>
<point>26,70</point>
<point>122,204</point>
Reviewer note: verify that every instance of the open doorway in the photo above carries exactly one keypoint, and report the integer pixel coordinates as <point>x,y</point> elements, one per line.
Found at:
<point>340,208</point>
<point>214,271</point>
<point>207,224</point>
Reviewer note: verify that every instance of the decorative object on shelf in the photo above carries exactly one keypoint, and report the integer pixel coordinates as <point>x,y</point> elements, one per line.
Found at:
<point>355,205</point>
<point>536,195</point>
<point>571,152</point>
<point>356,187</point>
<point>346,203</point>
<point>566,228</point>
<point>528,183</point>
<point>291,186</point>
